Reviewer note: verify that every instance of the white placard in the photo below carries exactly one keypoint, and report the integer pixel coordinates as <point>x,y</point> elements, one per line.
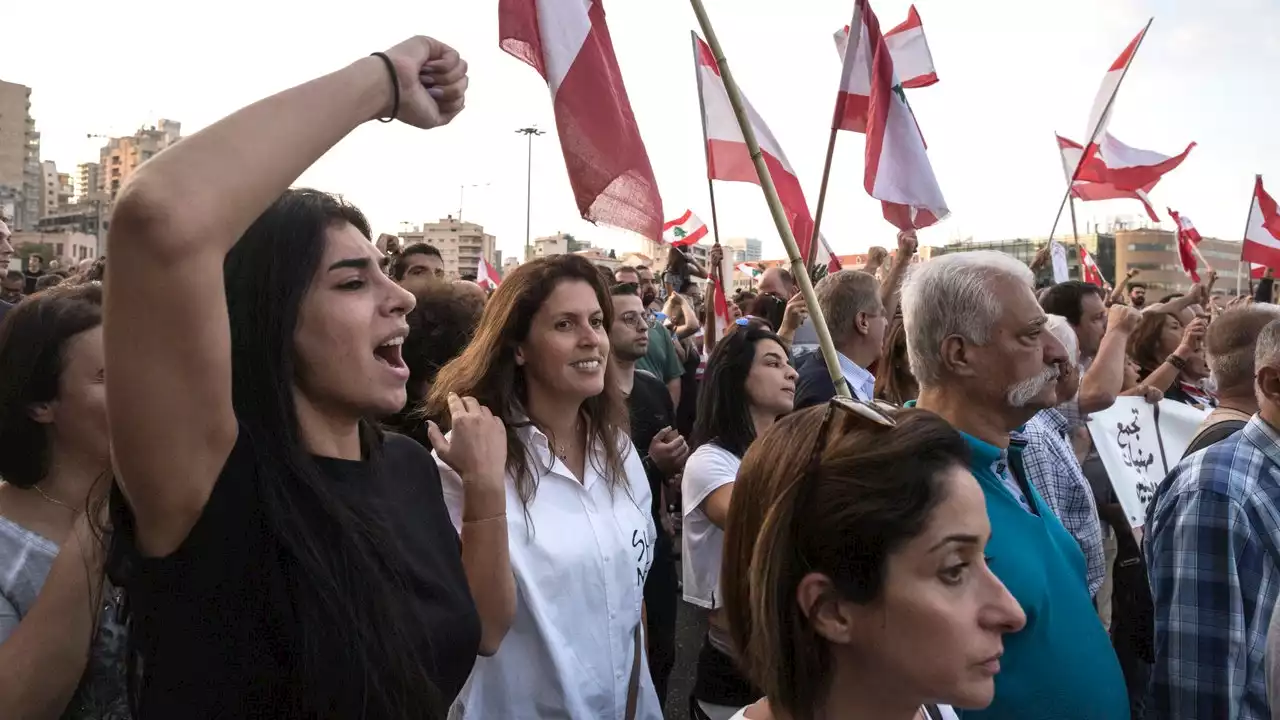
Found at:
<point>1059,255</point>
<point>1139,443</point>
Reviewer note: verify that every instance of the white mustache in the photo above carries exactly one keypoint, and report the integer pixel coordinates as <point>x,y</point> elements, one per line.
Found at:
<point>1024,392</point>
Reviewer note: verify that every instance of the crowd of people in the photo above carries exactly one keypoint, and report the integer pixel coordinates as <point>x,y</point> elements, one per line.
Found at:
<point>321,480</point>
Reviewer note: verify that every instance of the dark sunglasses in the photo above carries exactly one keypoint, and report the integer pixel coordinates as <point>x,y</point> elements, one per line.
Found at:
<point>876,411</point>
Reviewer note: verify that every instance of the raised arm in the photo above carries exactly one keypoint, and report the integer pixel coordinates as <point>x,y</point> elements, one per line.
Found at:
<point>1117,293</point>
<point>893,283</point>
<point>166,335</point>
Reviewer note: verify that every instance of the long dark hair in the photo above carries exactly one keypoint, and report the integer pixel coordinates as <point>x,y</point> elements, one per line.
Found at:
<point>487,369</point>
<point>724,411</point>
<point>33,340</point>
<point>344,573</point>
<point>874,490</point>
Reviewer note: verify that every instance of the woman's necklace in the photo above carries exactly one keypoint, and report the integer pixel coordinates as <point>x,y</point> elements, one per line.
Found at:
<point>53,500</point>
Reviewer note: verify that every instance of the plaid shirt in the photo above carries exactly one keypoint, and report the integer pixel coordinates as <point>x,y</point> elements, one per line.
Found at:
<point>1214,565</point>
<point>1052,466</point>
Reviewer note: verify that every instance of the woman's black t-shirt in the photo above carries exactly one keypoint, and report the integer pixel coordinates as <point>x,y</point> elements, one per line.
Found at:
<point>223,640</point>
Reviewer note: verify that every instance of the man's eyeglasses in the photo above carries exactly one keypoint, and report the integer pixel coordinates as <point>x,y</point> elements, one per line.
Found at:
<point>634,320</point>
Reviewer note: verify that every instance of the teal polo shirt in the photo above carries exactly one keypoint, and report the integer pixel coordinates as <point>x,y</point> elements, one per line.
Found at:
<point>661,360</point>
<point>1061,666</point>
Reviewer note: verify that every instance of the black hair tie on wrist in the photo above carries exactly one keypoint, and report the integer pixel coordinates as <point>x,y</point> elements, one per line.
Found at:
<point>395,86</point>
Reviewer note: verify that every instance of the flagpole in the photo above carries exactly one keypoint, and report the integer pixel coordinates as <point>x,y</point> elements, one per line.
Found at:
<point>1076,235</point>
<point>775,205</point>
<point>822,200</point>
<point>1105,110</point>
<point>706,145</point>
<point>850,54</point>
<point>1253,199</point>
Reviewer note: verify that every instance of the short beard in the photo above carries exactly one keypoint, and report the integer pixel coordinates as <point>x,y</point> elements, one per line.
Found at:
<point>628,355</point>
<point>1021,394</point>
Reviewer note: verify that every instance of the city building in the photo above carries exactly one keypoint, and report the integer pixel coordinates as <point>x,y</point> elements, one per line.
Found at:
<point>701,251</point>
<point>508,265</point>
<point>66,247</point>
<point>607,259</point>
<point>461,244</point>
<point>87,183</point>
<point>1102,246</point>
<point>1154,253</point>
<point>84,218</point>
<point>558,244</point>
<point>121,157</point>
<point>744,249</point>
<point>20,172</point>
<point>56,189</point>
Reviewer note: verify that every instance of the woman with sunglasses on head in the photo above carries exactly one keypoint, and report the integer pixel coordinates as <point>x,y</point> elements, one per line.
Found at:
<point>854,578</point>
<point>61,639</point>
<point>281,557</point>
<point>748,385</point>
<point>577,501</point>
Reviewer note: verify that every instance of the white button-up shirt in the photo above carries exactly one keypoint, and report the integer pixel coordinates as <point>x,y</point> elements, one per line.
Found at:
<point>861,382</point>
<point>580,556</point>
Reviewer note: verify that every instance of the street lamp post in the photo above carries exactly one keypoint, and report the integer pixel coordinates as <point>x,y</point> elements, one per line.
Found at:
<point>528,185</point>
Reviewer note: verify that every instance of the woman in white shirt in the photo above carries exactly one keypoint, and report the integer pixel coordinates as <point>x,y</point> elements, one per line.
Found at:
<point>854,577</point>
<point>748,385</point>
<point>580,531</point>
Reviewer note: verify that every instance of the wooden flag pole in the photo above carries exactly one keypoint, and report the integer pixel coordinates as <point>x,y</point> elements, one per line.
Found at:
<point>1094,138</point>
<point>775,205</point>
<point>822,201</point>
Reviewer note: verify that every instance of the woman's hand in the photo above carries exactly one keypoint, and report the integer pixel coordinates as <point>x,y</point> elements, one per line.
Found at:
<point>1192,338</point>
<point>432,81</point>
<point>1152,395</point>
<point>476,449</point>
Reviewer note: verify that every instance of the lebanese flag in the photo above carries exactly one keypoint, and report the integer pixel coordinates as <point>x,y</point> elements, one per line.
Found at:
<point>721,320</point>
<point>568,43</point>
<point>727,155</point>
<point>749,270</point>
<point>1093,182</point>
<point>1256,271</point>
<point>487,275</point>
<point>1188,238</point>
<point>685,230</point>
<point>1103,102</point>
<point>897,170</point>
<point>911,58</point>
<point>1129,168</point>
<point>1089,269</point>
<point>1262,233</point>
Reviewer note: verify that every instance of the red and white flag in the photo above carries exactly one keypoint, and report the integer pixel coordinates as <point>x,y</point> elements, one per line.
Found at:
<point>685,230</point>
<point>1257,272</point>
<point>1262,233</point>
<point>487,275</point>
<point>1104,101</point>
<point>911,58</point>
<point>727,154</point>
<point>1188,237</point>
<point>1089,269</point>
<point>1094,182</point>
<point>568,43</point>
<point>897,170</point>
<point>1130,168</point>
<point>721,320</point>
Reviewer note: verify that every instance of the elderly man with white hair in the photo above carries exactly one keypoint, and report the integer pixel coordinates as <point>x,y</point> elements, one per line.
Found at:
<point>978,347</point>
<point>1213,557</point>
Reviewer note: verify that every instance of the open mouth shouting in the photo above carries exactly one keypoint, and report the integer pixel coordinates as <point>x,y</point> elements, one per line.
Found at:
<point>388,353</point>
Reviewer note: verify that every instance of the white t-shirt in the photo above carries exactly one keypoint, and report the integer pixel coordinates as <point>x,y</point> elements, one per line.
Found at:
<point>702,543</point>
<point>580,559</point>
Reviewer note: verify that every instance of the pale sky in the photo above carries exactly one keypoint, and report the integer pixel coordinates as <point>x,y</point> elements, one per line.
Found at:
<point>1011,73</point>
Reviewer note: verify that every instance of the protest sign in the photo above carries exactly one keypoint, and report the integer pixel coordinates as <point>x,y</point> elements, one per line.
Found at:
<point>1139,443</point>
